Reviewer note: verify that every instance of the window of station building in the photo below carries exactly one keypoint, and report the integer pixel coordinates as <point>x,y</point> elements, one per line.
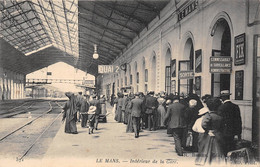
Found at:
<point>168,79</point>
<point>131,79</point>
<point>145,88</point>
<point>137,77</point>
<point>146,75</point>
<point>125,80</point>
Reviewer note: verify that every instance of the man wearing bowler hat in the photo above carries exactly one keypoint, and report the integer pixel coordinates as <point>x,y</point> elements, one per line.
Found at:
<point>232,124</point>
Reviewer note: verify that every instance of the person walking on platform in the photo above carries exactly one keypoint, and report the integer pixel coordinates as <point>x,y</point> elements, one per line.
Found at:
<point>91,118</point>
<point>84,111</point>
<point>230,113</point>
<point>136,107</point>
<point>151,105</point>
<point>70,114</point>
<point>96,103</point>
<point>175,118</point>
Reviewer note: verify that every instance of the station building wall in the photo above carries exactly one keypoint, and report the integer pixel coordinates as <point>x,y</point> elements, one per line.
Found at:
<point>167,39</point>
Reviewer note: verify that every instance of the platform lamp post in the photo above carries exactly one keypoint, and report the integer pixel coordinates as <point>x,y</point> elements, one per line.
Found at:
<point>95,56</point>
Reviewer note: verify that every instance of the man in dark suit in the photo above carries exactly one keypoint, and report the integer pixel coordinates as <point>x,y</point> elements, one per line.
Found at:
<point>151,105</point>
<point>95,102</point>
<point>136,106</point>
<point>232,124</point>
<point>175,118</point>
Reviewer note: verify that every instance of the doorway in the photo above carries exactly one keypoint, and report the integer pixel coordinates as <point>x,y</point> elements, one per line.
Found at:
<point>222,47</point>
<point>186,85</point>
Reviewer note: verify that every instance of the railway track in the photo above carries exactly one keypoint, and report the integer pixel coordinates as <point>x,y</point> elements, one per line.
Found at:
<point>25,107</point>
<point>25,132</point>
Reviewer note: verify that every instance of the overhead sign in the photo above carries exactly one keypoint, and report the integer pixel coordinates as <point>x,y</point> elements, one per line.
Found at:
<point>104,69</point>
<point>186,74</point>
<point>220,64</point>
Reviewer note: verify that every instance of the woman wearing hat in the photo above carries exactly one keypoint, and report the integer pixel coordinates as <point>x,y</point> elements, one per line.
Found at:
<point>70,113</point>
<point>211,150</point>
<point>91,118</point>
<point>161,111</point>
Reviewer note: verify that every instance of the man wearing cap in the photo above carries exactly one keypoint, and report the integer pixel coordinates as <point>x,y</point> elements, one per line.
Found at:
<point>232,124</point>
<point>175,118</point>
<point>136,106</point>
<point>96,103</point>
<point>151,105</point>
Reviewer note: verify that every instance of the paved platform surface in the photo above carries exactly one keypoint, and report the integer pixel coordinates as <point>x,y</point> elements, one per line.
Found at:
<point>111,146</point>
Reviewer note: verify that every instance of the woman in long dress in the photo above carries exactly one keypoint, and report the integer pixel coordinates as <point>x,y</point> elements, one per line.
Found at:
<point>70,114</point>
<point>161,112</point>
<point>210,143</point>
<point>129,127</point>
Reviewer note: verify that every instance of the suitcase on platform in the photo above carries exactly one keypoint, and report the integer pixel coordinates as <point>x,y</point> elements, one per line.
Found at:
<point>240,156</point>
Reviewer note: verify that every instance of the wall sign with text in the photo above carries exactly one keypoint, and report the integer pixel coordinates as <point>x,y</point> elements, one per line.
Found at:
<point>102,69</point>
<point>220,64</point>
<point>186,74</point>
<point>187,10</point>
<point>239,85</point>
<point>240,49</point>
<point>197,87</point>
<point>173,90</point>
<point>198,61</point>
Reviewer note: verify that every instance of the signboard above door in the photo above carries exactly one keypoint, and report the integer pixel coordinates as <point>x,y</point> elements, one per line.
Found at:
<point>220,64</point>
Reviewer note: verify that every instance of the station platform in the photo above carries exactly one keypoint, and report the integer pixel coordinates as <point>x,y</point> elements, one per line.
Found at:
<point>110,145</point>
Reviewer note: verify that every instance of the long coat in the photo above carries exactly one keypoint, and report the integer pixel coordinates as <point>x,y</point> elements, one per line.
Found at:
<point>230,113</point>
<point>136,106</point>
<point>150,102</point>
<point>175,116</point>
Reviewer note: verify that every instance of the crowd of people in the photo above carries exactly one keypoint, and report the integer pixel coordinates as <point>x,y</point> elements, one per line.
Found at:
<point>206,125</point>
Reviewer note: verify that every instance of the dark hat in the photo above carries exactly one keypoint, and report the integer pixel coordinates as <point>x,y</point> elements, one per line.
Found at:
<point>225,93</point>
<point>151,93</point>
<point>175,97</point>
